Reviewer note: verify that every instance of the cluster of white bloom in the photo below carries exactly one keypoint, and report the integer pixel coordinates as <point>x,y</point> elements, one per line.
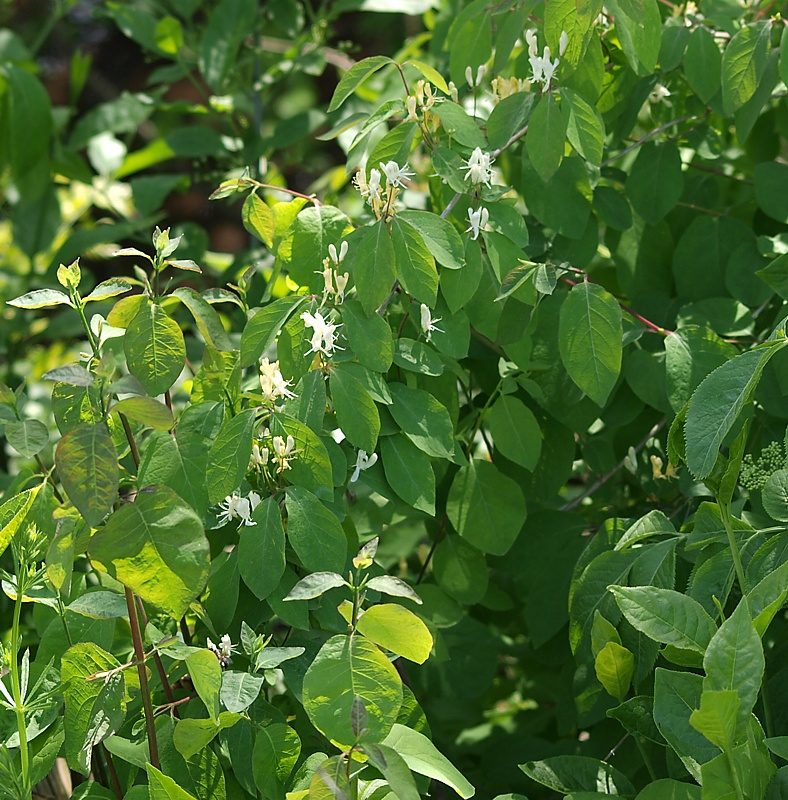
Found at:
<point>334,284</point>
<point>236,507</point>
<point>259,457</point>
<point>543,67</point>
<point>324,333</point>
<point>284,452</point>
<point>478,220</point>
<point>272,382</point>
<point>505,87</point>
<point>427,322</point>
<point>363,461</point>
<point>382,202</point>
<point>479,167</point>
<point>422,100</point>
<point>223,651</point>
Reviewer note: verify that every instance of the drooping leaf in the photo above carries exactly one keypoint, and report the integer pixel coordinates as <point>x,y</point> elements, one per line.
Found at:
<point>228,458</point>
<point>354,77</point>
<point>314,532</point>
<point>261,549</point>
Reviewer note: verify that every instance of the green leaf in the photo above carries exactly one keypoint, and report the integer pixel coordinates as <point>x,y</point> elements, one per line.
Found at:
<point>590,340</point>
<point>515,431</point>
<point>96,708</point>
<point>356,411</point>
<point>585,128</point>
<point>655,182</point>
<point>703,64</point>
<point>329,782</point>
<point>508,117</point>
<point>440,237</point>
<point>578,774</point>
<point>417,357</point>
<point>147,411</point>
<point>459,126</point>
<point>460,570</point>
<point>87,465</point>
<point>106,289</point>
<point>394,769</point>
<point>13,513</point>
<point>716,404</point>
<point>640,37</point>
<point>374,267</point>
<point>228,458</point>
<point>100,605</point>
<point>423,420</point>
<point>670,789</point>
<point>370,337</point>
<point>157,547</point>
<point>154,347</point>
<point>311,468</point>
<point>409,472</point>
<point>716,717</point>
<point>577,19</point>
<point>314,585</point>
<point>354,77</point>
<point>41,298</point>
<point>229,23</point>
<point>421,755</point>
<point>388,584</point>
<point>276,750</point>
<point>486,507</point>
<point>676,696</point>
<point>27,436</point>
<point>206,675</point>
<point>546,135</point>
<point>264,327</point>
<point>743,64</point>
<point>734,661</point>
<point>240,690</point>
<point>666,616</point>
<point>637,716</point>
<point>162,787</point>
<point>314,532</point>
<point>208,323</point>
<point>345,668</point>
<point>71,374</point>
<point>472,47</point>
<point>261,549</point>
<point>767,597</point>
<point>193,735</point>
<point>775,495</point>
<point>395,628</point>
<point>414,263</point>
<point>770,177</point>
<point>430,73</point>
<point>614,666</point>
<point>259,220</point>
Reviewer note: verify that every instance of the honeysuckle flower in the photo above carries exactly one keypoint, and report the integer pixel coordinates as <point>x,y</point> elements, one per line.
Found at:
<point>563,43</point>
<point>394,173</point>
<point>453,93</point>
<point>479,167</point>
<point>324,337</point>
<point>530,39</point>
<point>341,282</point>
<point>284,452</point>
<point>328,281</point>
<point>427,322</point>
<point>548,68</point>
<point>272,382</point>
<point>223,651</point>
<point>337,258</point>
<point>363,461</point>
<point>477,219</point>
<point>259,457</point>
<point>411,106</point>
<point>236,507</point>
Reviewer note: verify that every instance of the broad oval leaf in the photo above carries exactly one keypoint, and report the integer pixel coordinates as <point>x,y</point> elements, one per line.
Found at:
<point>347,667</point>
<point>228,459</point>
<point>395,628</point>
<point>314,532</point>
<point>356,411</point>
<point>354,77</point>
<point>264,327</point>
<point>515,431</point>
<point>261,549</point>
<point>276,750</point>
<point>157,547</point>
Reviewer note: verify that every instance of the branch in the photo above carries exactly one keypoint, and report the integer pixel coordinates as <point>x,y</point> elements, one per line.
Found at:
<point>648,136</point>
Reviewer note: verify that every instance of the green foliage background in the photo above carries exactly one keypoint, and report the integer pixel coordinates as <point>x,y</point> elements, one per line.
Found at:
<point>564,570</point>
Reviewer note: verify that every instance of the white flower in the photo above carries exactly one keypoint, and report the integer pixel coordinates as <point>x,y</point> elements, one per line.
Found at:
<point>563,43</point>
<point>272,382</point>
<point>254,498</point>
<point>324,337</point>
<point>363,461</point>
<point>395,173</point>
<point>411,105</point>
<point>259,457</point>
<point>428,323</point>
<point>479,167</point>
<point>223,651</point>
<point>337,258</point>
<point>530,38</point>
<point>371,190</point>
<point>341,282</point>
<point>549,68</point>
<point>283,452</point>
<point>236,507</point>
<point>453,93</point>
<point>477,219</point>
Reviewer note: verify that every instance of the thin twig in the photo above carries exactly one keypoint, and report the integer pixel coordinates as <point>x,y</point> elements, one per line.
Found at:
<point>645,138</point>
<point>135,453</point>
<point>427,560</point>
<point>608,475</point>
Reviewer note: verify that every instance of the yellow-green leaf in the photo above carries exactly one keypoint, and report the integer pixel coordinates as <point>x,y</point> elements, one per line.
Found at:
<point>397,629</point>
